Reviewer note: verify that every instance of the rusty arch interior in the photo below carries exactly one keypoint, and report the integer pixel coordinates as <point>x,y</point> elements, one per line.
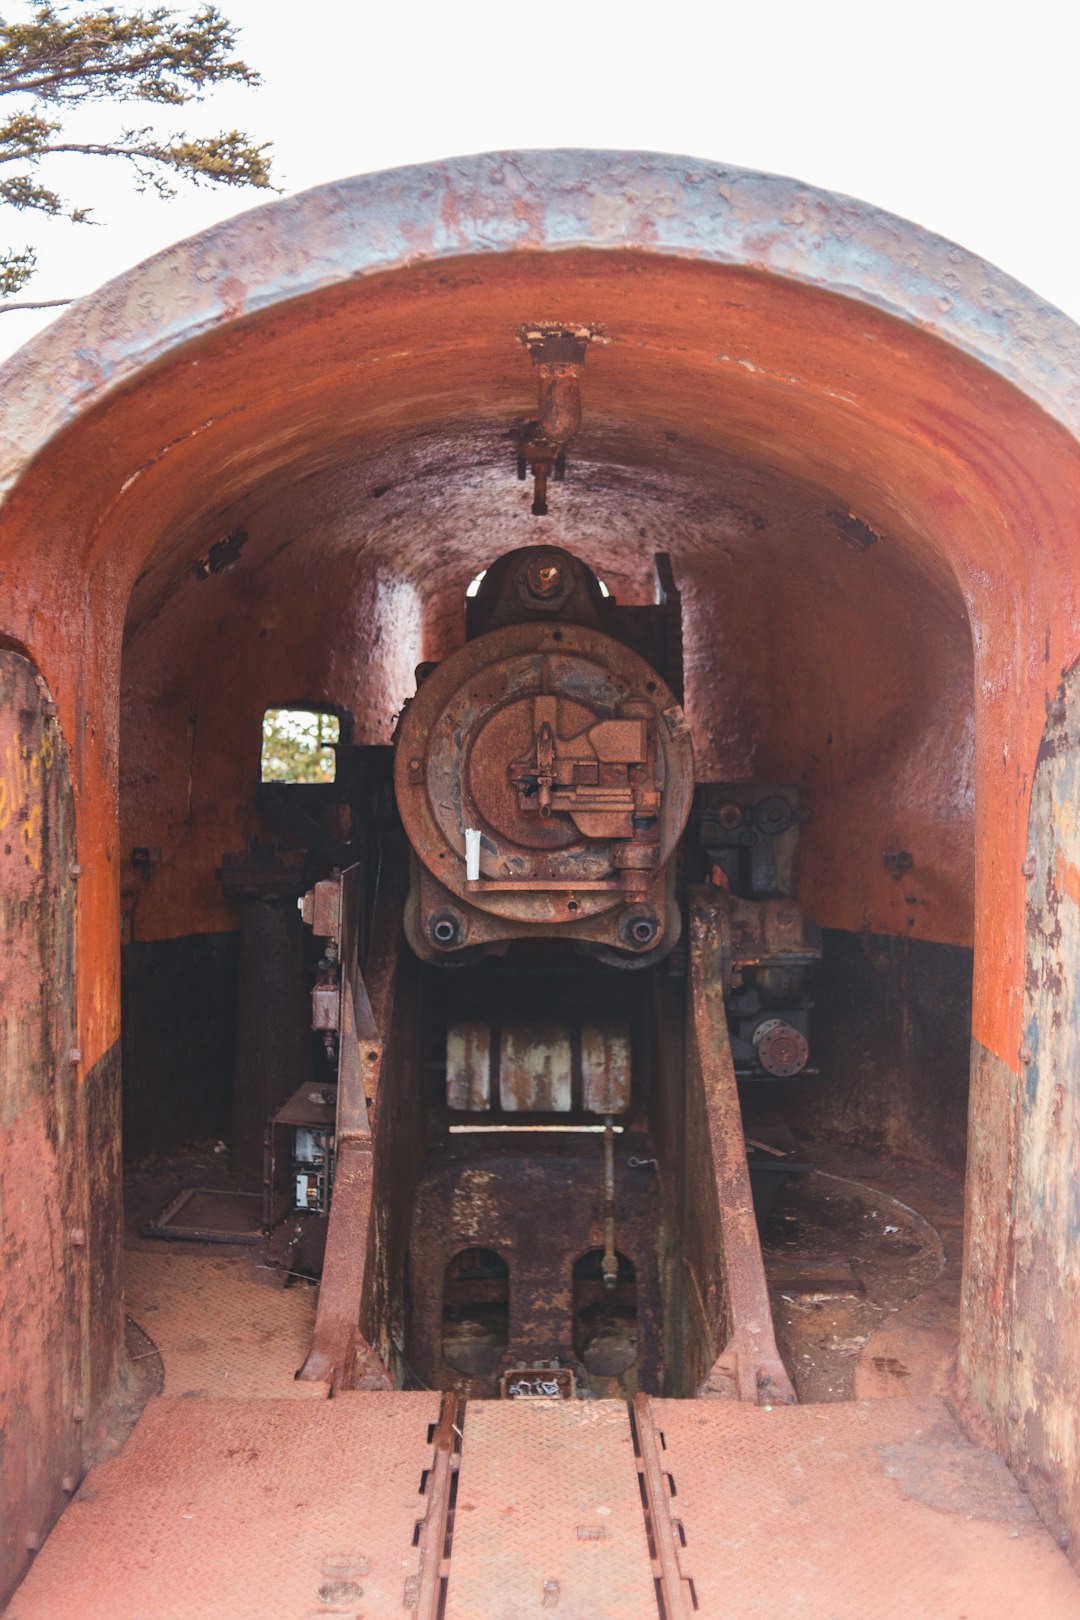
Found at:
<point>867,487</point>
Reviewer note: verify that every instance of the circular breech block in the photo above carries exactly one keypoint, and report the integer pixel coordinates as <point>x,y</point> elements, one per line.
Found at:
<point>562,761</point>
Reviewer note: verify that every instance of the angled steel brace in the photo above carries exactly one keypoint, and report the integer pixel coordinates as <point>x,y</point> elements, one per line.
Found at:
<point>748,1367</point>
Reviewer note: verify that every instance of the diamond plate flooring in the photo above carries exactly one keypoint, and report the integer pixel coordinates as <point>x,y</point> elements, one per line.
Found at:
<point>549,1515</point>
<point>222,1324</point>
<point>246,1510</point>
<point>871,1510</point>
<point>243,1495</point>
<point>286,1510</point>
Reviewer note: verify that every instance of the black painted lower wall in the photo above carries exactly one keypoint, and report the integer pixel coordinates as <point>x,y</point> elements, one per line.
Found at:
<point>178,1010</point>
<point>891,1035</point>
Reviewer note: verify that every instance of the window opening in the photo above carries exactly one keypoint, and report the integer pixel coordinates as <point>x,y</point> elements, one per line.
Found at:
<point>298,745</point>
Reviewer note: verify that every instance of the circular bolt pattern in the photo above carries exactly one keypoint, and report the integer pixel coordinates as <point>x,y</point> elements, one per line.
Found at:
<point>782,1050</point>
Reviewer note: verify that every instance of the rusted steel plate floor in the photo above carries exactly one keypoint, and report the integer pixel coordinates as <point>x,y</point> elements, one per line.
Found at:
<point>222,1324</point>
<point>245,1510</point>
<point>879,1510</point>
<point>549,1515</point>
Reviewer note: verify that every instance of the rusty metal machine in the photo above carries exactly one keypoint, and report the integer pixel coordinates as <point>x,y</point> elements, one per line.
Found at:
<point>544,776</point>
<point>482,1040</point>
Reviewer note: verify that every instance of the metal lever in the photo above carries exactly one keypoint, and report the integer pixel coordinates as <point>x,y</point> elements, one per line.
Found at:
<point>609,1268</point>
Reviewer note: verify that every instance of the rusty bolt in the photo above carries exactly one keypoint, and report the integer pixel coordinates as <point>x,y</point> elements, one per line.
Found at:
<point>544,576</point>
<point>639,929</point>
<point>75,1055</point>
<point>78,1414</point>
<point>1028,868</point>
<point>75,870</point>
<point>1026,1055</point>
<point>447,928</point>
<point>69,1484</point>
<point>78,1237</point>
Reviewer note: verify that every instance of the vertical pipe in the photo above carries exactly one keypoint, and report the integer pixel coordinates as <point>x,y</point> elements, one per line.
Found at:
<point>610,1266</point>
<point>273,1055</point>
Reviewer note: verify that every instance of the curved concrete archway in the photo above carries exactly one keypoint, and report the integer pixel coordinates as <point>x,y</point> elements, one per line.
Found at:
<point>857,442</point>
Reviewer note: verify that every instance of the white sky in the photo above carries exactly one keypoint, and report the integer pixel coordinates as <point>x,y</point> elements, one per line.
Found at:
<point>959,115</point>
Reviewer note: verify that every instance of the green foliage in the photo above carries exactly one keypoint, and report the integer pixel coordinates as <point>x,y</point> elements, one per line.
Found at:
<point>66,56</point>
<point>296,746</point>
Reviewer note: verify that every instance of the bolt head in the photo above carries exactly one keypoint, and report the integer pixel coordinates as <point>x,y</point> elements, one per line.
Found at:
<point>78,1237</point>
<point>544,576</point>
<point>447,928</point>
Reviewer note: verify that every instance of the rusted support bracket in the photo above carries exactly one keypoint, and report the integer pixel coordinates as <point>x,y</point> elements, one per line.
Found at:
<point>748,1367</point>
<point>674,1587</point>
<point>339,1351</point>
<point>436,1529</point>
<point>558,356</point>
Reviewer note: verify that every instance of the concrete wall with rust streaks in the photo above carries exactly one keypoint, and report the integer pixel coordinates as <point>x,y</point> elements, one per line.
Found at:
<point>349,357</point>
<point>1025,1358</point>
<point>58,1242</point>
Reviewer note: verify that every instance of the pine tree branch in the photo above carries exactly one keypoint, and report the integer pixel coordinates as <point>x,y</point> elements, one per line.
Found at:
<point>41,303</point>
<point>64,56</point>
<point>97,55</point>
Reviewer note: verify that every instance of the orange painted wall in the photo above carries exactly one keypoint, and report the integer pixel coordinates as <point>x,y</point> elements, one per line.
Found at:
<point>807,661</point>
<point>406,384</point>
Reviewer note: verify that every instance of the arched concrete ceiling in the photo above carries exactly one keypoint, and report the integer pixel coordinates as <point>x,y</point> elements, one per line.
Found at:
<point>339,371</point>
<point>547,202</point>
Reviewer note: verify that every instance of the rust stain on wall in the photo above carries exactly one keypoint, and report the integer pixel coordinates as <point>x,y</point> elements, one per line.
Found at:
<point>45,1272</point>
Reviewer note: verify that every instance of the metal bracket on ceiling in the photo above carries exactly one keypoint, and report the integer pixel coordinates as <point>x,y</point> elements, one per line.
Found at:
<point>558,356</point>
